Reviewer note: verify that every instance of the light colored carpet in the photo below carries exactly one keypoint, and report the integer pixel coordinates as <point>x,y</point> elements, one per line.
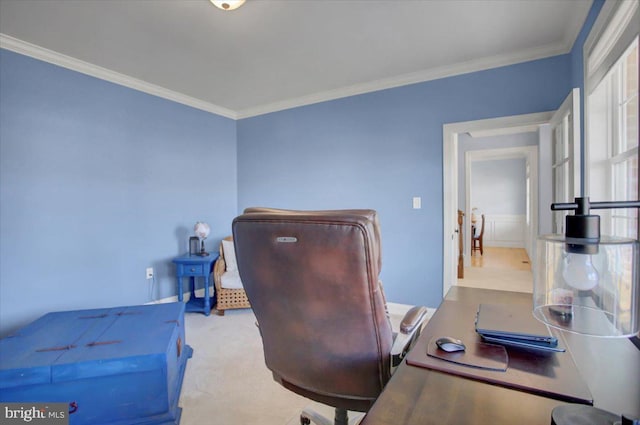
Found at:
<point>227,382</point>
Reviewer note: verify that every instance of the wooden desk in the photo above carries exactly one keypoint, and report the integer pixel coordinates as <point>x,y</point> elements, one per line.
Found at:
<point>418,396</point>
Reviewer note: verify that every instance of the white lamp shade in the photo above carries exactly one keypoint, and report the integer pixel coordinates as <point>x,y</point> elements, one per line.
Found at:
<point>593,294</point>
<point>201,230</point>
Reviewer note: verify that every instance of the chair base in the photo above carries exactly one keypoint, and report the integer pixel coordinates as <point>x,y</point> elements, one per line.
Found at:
<point>310,416</point>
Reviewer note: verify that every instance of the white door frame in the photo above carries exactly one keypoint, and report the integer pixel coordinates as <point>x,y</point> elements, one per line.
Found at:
<point>450,179</point>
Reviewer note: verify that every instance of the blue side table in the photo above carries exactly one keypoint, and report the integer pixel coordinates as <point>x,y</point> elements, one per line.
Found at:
<point>193,266</point>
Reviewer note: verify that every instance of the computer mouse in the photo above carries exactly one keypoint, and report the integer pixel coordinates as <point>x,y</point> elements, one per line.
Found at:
<point>450,344</point>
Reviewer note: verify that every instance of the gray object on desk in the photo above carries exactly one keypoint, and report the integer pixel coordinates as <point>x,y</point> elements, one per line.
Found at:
<point>507,321</point>
<point>477,354</point>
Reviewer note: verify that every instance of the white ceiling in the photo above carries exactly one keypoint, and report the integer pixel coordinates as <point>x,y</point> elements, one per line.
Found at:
<point>275,54</point>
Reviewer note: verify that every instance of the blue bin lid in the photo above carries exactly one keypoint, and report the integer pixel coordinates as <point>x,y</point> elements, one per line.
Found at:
<point>66,346</point>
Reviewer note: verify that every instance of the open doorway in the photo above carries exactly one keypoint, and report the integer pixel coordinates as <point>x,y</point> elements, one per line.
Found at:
<point>451,157</point>
<point>558,165</point>
<point>498,190</point>
<point>502,184</point>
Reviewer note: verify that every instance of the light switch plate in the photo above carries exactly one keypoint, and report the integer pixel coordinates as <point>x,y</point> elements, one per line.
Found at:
<point>417,202</point>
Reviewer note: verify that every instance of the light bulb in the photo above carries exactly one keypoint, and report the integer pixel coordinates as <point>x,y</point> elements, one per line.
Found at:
<point>579,273</point>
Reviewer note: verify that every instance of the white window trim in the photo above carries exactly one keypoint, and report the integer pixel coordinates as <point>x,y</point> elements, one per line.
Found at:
<point>614,31</point>
<point>615,28</point>
<point>618,23</point>
<point>569,113</point>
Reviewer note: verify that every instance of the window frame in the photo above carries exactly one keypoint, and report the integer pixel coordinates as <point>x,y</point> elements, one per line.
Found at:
<point>615,29</point>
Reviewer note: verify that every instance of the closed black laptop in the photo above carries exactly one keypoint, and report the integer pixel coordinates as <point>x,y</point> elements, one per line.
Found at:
<point>510,322</point>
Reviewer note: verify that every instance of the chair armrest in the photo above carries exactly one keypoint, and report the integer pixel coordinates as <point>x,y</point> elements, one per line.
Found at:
<point>414,317</point>
<point>410,328</point>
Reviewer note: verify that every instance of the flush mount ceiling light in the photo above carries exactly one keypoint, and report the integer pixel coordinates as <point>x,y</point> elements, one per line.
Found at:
<point>227,4</point>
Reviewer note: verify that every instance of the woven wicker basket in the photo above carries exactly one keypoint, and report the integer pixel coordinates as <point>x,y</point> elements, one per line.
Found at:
<point>227,298</point>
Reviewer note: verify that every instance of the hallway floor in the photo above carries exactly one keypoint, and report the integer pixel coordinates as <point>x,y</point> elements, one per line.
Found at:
<point>506,269</point>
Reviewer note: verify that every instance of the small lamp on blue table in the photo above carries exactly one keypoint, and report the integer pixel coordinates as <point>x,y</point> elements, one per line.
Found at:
<point>202,231</point>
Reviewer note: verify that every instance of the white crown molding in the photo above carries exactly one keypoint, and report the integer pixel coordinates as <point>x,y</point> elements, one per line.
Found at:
<point>41,53</point>
<point>411,78</point>
<point>19,46</point>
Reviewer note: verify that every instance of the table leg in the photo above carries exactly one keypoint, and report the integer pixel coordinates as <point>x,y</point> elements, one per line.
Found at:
<point>180,294</point>
<point>207,300</point>
<point>192,287</point>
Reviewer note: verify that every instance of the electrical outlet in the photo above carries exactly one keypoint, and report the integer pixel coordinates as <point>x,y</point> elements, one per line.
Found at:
<point>149,272</point>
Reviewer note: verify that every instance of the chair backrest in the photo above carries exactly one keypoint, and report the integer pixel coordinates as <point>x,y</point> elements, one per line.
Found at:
<point>312,280</point>
<point>480,235</point>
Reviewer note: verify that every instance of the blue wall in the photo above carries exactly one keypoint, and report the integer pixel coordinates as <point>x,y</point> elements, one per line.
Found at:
<point>498,186</point>
<point>98,182</point>
<point>380,149</point>
<point>466,143</point>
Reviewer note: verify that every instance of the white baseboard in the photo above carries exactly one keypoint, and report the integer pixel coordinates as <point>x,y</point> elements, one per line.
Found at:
<point>174,299</point>
<point>164,300</point>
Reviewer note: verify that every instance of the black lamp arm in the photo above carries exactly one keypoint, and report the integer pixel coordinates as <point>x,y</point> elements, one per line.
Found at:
<point>582,225</point>
<point>582,205</point>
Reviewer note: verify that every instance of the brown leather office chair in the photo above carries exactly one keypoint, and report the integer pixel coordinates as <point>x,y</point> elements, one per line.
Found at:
<point>312,280</point>
<point>476,243</point>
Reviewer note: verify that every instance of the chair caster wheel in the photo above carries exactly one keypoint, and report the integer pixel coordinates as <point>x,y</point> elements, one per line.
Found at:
<point>304,420</point>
